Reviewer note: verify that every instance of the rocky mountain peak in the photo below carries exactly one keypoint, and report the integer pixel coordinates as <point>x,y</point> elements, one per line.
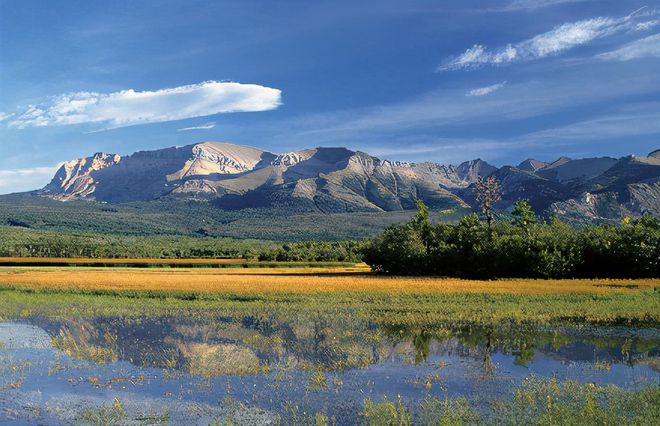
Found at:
<point>558,162</point>
<point>470,171</point>
<point>72,178</point>
<point>290,159</point>
<point>531,165</point>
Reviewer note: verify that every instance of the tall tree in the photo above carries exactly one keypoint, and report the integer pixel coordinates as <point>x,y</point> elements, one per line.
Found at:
<point>489,193</point>
<point>422,224</point>
<point>523,214</point>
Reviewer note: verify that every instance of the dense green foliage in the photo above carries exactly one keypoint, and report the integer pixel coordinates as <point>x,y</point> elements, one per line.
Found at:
<point>536,402</point>
<point>20,242</point>
<point>523,248</point>
<point>316,251</point>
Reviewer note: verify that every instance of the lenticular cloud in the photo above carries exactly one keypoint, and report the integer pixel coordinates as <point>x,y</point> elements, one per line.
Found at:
<point>130,107</point>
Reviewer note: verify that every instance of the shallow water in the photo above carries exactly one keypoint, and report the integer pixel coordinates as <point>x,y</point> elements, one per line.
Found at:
<point>257,371</point>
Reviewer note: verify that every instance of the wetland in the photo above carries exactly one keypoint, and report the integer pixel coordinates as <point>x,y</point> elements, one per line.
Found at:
<point>300,352</point>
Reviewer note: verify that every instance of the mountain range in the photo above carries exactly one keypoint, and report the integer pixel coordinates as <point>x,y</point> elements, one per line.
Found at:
<point>339,180</point>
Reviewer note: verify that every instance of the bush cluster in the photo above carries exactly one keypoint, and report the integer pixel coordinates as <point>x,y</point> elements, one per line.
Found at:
<point>316,251</point>
<point>521,248</point>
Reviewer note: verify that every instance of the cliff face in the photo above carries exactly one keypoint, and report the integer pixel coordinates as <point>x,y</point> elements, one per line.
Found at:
<point>74,179</point>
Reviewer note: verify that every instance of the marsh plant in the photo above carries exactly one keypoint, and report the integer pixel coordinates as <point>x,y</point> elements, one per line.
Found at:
<point>535,402</point>
<point>386,413</point>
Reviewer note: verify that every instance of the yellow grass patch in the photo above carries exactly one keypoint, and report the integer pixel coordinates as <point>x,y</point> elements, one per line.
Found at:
<point>295,280</point>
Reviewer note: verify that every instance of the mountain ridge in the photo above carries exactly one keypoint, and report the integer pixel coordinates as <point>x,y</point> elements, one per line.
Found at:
<point>337,179</point>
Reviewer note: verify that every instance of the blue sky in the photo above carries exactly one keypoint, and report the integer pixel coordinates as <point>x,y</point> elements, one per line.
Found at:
<point>444,81</point>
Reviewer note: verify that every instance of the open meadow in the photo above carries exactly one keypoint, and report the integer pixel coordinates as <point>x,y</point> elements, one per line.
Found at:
<point>326,344</point>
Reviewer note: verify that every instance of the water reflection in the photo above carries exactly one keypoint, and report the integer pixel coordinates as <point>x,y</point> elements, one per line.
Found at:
<point>183,367</point>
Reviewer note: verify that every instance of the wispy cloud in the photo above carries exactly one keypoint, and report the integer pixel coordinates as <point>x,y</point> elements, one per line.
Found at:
<point>553,42</point>
<point>445,150</point>
<point>19,180</point>
<point>637,120</point>
<point>5,115</point>
<point>643,48</point>
<point>647,25</point>
<point>483,91</point>
<point>535,4</point>
<point>129,107</point>
<point>642,120</point>
<point>200,127</point>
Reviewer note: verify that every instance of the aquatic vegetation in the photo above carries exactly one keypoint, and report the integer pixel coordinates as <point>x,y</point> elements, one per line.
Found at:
<point>421,310</point>
<point>115,414</point>
<point>536,402</point>
<point>296,415</point>
<point>220,359</point>
<point>447,411</point>
<point>317,381</point>
<point>548,402</point>
<point>77,343</point>
<point>110,414</point>
<point>386,413</point>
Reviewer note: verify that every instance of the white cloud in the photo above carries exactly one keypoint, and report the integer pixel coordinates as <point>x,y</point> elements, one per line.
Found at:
<point>200,127</point>
<point>553,42</point>
<point>5,115</point>
<point>19,180</point>
<point>482,91</point>
<point>128,107</point>
<point>535,4</point>
<point>643,26</point>
<point>643,48</point>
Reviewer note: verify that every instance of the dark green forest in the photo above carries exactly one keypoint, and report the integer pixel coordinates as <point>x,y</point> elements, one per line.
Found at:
<point>520,247</point>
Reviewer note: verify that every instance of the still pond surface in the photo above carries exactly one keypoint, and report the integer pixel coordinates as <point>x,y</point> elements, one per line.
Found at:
<point>255,371</point>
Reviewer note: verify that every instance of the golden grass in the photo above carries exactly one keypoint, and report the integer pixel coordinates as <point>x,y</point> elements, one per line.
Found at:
<point>295,280</point>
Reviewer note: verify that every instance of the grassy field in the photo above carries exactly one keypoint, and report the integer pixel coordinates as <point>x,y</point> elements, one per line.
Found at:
<point>295,279</point>
<point>294,291</point>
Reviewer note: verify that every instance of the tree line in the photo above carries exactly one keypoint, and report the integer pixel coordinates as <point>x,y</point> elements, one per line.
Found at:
<point>524,247</point>
<point>19,242</point>
<point>483,246</point>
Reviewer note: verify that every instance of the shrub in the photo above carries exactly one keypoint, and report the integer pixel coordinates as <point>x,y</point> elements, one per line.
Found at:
<point>524,248</point>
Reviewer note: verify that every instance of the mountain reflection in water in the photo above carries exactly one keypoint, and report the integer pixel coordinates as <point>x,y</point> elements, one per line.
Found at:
<point>178,369</point>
